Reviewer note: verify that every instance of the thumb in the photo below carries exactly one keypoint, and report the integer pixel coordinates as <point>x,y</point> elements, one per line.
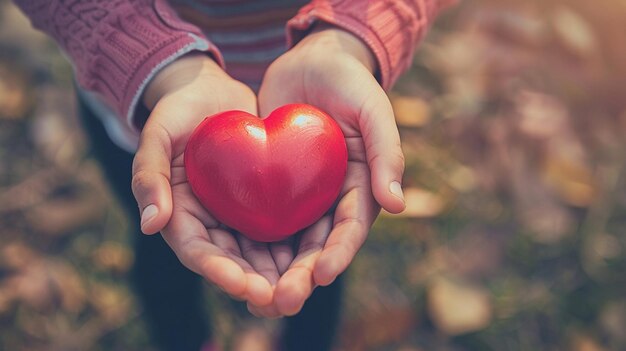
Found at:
<point>384,152</point>
<point>151,177</point>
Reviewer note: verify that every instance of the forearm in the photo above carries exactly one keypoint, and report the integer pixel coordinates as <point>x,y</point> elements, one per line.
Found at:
<point>391,29</point>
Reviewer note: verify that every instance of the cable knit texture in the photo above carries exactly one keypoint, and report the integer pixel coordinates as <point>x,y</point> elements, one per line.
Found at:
<point>391,28</point>
<point>115,45</point>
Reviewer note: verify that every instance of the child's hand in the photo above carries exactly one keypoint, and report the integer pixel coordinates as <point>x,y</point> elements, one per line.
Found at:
<point>332,70</point>
<point>180,97</point>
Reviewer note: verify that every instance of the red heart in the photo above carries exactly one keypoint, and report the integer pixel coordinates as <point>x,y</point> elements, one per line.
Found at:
<point>267,178</point>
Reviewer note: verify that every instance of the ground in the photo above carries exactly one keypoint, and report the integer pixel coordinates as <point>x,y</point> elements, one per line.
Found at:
<point>512,119</point>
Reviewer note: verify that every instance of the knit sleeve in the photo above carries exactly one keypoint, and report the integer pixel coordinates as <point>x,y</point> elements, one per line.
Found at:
<point>117,46</point>
<point>391,28</point>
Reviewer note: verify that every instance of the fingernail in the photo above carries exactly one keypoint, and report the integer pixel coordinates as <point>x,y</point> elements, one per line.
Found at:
<point>148,214</point>
<point>396,189</point>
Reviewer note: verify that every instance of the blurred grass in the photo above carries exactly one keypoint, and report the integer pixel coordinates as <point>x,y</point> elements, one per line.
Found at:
<point>512,119</point>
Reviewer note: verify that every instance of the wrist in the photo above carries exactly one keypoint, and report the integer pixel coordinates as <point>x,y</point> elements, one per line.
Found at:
<point>180,72</point>
<point>337,38</point>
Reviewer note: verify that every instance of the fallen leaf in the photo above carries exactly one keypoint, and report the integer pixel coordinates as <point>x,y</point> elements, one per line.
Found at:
<point>14,96</point>
<point>462,179</point>
<point>113,256</point>
<point>410,111</point>
<point>58,217</point>
<point>584,342</point>
<point>572,181</point>
<point>513,26</point>
<point>44,284</point>
<point>598,249</point>
<point>68,287</point>
<point>574,31</point>
<point>420,203</point>
<point>613,319</point>
<point>32,286</point>
<point>548,224</point>
<point>458,308</point>
<point>374,329</point>
<point>7,297</point>
<point>476,252</point>
<point>16,28</point>
<point>112,303</point>
<point>17,255</point>
<point>253,339</point>
<point>541,116</point>
<point>54,130</point>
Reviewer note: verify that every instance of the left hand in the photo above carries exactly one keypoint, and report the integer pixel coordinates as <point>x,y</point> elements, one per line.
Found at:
<point>179,97</point>
<point>333,70</point>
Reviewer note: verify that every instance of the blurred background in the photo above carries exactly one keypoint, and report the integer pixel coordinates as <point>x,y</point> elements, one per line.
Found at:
<point>512,118</point>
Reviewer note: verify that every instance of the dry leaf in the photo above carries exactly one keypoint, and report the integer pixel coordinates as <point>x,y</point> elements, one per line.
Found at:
<point>112,303</point>
<point>7,296</point>
<point>43,284</point>
<point>584,342</point>
<point>410,111</point>
<point>574,31</point>
<point>513,26</point>
<point>14,97</point>
<point>58,217</point>
<point>376,328</point>
<point>613,319</point>
<point>462,179</point>
<point>572,181</point>
<point>17,255</point>
<point>32,286</point>
<point>476,252</point>
<point>548,224</point>
<point>541,116</point>
<point>113,256</point>
<point>69,287</point>
<point>16,28</point>
<point>597,249</point>
<point>54,130</point>
<point>253,339</point>
<point>421,203</point>
<point>457,308</point>
<point>606,246</point>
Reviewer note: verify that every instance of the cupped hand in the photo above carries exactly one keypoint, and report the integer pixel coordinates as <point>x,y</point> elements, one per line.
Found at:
<point>180,97</point>
<point>333,70</point>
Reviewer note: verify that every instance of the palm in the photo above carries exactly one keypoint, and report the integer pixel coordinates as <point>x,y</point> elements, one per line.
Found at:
<point>327,247</point>
<point>207,248</point>
<point>201,243</point>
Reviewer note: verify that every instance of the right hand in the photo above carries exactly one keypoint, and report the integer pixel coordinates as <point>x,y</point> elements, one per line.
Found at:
<point>180,97</point>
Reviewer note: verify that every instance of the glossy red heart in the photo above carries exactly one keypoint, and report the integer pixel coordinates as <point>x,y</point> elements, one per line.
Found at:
<point>267,178</point>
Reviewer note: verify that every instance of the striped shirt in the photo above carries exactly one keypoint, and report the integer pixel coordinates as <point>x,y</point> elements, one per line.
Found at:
<point>249,36</point>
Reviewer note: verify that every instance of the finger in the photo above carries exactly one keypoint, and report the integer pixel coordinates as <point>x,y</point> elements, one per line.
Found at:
<point>151,178</point>
<point>189,240</point>
<point>384,152</point>
<point>259,256</point>
<point>297,284</point>
<point>354,216</point>
<point>282,253</point>
<point>268,311</point>
<point>259,290</point>
<point>215,255</point>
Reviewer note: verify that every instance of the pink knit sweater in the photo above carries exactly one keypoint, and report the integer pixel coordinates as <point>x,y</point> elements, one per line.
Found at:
<point>116,46</point>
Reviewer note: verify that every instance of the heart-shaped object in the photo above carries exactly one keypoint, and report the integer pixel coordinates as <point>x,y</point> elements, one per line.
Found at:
<point>267,178</point>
